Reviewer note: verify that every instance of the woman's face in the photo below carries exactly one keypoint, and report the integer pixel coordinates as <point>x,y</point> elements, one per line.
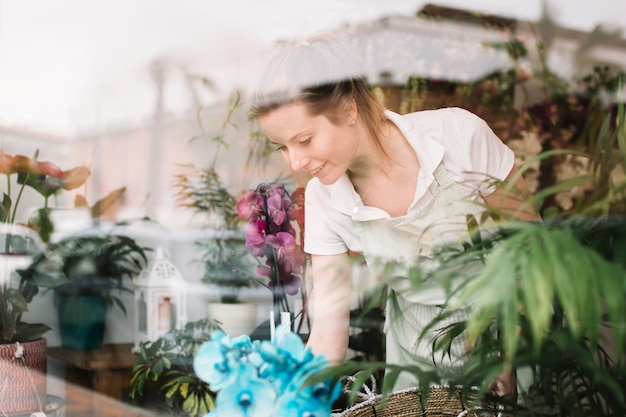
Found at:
<point>311,143</point>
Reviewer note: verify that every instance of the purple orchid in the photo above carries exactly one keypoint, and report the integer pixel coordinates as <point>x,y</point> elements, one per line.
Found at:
<point>287,251</point>
<point>270,233</point>
<point>256,236</point>
<point>250,205</point>
<point>276,209</point>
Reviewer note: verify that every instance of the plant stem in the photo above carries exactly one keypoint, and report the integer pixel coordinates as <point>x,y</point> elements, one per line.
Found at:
<point>17,200</point>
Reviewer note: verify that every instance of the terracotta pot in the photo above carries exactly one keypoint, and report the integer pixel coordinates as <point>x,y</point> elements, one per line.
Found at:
<point>23,377</point>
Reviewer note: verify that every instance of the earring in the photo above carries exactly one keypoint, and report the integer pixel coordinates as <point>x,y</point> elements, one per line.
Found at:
<point>353,122</point>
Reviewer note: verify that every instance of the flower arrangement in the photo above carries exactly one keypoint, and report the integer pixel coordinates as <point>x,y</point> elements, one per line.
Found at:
<point>20,243</point>
<point>46,178</point>
<point>264,378</point>
<point>274,232</point>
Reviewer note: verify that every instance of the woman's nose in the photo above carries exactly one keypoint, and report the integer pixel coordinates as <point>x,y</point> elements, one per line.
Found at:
<point>298,160</point>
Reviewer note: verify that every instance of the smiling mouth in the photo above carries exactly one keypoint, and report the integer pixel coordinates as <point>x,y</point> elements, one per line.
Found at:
<point>315,171</point>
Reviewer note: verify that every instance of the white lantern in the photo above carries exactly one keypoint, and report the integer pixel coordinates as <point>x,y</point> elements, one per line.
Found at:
<point>160,302</point>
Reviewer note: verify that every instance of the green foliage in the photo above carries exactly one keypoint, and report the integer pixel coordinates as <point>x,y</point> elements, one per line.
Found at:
<point>13,303</point>
<point>167,365</point>
<point>227,264</point>
<point>547,296</point>
<point>20,244</point>
<point>203,191</point>
<point>88,265</point>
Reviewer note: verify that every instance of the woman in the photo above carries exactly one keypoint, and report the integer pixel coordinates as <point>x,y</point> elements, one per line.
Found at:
<point>384,185</point>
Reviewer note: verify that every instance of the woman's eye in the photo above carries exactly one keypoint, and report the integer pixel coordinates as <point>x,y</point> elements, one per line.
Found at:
<point>305,141</point>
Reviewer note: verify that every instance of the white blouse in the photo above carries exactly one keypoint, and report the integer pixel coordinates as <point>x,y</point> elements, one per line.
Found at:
<point>459,139</point>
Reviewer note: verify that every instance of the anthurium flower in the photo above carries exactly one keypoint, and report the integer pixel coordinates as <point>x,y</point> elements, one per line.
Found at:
<point>24,164</point>
<point>7,164</point>
<point>42,176</point>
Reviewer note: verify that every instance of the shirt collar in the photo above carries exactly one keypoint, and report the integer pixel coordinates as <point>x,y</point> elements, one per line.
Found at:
<point>343,196</point>
<point>428,150</point>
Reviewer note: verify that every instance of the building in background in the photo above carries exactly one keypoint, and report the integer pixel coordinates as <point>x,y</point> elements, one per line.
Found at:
<point>445,47</point>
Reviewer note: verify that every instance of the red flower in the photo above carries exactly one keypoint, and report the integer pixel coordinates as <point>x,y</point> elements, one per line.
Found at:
<point>30,166</point>
<point>296,211</point>
<point>7,164</point>
<point>44,177</point>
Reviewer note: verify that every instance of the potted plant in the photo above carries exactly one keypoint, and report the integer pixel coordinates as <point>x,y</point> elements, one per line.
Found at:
<point>547,298</point>
<point>22,346</point>
<point>163,373</point>
<point>86,273</point>
<point>227,268</point>
<point>554,290</point>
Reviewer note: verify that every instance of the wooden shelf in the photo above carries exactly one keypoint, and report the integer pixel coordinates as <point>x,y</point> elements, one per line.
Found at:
<point>96,381</point>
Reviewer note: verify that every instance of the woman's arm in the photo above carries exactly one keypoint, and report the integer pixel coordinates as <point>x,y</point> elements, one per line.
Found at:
<point>515,202</point>
<point>329,306</point>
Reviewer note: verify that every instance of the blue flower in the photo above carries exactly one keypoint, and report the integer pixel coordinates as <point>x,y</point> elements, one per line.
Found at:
<point>312,396</point>
<point>311,400</point>
<point>290,343</point>
<point>264,379</point>
<point>282,358</point>
<point>247,396</point>
<point>216,360</point>
<point>291,405</point>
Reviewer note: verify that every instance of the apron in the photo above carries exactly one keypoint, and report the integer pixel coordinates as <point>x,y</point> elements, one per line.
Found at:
<point>398,241</point>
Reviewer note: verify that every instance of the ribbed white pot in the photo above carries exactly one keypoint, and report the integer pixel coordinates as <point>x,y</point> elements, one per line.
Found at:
<point>236,319</point>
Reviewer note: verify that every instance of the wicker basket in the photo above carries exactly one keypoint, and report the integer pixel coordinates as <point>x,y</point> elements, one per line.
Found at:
<point>441,402</point>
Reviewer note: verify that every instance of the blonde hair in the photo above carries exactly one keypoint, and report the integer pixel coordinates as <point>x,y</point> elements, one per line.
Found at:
<point>324,75</point>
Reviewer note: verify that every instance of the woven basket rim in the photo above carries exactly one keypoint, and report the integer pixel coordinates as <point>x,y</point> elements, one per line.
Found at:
<point>437,403</point>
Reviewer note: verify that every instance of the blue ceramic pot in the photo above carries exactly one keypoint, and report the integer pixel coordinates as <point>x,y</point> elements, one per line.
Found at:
<point>81,320</point>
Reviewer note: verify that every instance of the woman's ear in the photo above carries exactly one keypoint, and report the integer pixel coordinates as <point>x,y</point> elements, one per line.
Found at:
<point>353,111</point>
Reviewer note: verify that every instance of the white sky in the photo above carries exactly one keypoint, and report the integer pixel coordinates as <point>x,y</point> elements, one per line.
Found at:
<point>75,65</point>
